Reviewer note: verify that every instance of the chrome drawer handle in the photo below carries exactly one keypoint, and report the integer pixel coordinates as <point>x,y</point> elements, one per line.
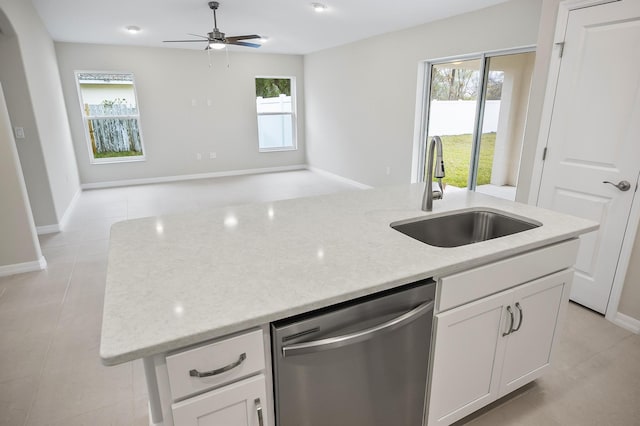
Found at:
<point>259,411</point>
<point>511,325</point>
<point>196,373</point>
<point>623,185</point>
<point>521,317</point>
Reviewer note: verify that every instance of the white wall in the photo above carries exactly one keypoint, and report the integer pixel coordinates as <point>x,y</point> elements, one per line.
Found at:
<point>372,126</point>
<point>630,299</point>
<point>168,82</point>
<point>17,231</point>
<point>43,81</point>
<point>513,115</point>
<point>12,77</point>
<point>544,48</point>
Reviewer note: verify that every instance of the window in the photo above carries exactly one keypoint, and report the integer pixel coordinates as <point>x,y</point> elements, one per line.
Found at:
<point>275,105</point>
<point>478,106</point>
<point>111,116</point>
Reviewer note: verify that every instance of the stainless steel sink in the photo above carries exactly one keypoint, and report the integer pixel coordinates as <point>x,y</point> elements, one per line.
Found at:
<point>462,228</point>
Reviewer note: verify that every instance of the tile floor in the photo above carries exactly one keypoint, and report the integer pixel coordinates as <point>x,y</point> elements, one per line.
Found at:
<point>50,372</point>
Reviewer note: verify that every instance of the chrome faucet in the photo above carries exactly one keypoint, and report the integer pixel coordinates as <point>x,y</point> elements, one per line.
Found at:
<point>428,197</point>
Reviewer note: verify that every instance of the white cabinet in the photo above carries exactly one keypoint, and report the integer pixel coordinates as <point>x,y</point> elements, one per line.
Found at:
<point>468,340</point>
<point>238,404</point>
<point>220,383</point>
<point>539,307</point>
<point>490,347</point>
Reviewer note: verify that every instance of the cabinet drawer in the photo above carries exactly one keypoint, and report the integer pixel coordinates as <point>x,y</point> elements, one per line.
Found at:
<point>458,289</point>
<point>220,362</point>
<point>240,404</point>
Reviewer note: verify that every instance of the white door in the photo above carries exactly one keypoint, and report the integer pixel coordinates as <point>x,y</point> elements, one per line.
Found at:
<point>594,136</point>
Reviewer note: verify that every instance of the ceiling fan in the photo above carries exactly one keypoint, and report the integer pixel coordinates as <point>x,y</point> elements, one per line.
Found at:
<point>217,39</point>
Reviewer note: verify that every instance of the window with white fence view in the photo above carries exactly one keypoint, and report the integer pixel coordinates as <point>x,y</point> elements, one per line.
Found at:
<point>111,116</point>
<point>275,105</point>
<point>478,106</point>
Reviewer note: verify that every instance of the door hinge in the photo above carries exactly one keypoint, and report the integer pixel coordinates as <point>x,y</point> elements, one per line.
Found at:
<point>544,154</point>
<point>561,50</point>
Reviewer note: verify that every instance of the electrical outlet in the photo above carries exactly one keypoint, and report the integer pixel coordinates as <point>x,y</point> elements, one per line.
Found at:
<point>209,102</point>
<point>194,102</point>
<point>19,131</point>
<point>199,156</point>
<point>388,170</point>
<point>212,155</point>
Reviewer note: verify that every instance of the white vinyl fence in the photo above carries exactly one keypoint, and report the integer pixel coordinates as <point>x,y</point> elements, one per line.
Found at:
<point>457,117</point>
<point>275,122</point>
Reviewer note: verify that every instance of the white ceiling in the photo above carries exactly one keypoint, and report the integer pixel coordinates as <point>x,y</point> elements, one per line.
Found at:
<point>291,25</point>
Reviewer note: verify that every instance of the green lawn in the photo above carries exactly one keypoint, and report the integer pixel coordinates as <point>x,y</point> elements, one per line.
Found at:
<point>457,154</point>
<point>111,154</point>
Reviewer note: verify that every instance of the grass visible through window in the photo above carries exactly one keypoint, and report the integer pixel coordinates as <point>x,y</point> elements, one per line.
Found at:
<point>111,154</point>
<point>457,155</point>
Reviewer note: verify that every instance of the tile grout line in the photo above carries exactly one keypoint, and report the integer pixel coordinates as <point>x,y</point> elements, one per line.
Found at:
<point>46,356</point>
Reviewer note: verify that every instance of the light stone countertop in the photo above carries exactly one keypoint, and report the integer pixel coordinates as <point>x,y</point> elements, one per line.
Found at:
<point>173,281</point>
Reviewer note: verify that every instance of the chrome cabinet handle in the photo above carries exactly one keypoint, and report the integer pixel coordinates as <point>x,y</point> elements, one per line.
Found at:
<point>521,317</point>
<point>623,185</point>
<point>259,411</point>
<point>510,325</point>
<point>196,373</point>
<point>358,336</point>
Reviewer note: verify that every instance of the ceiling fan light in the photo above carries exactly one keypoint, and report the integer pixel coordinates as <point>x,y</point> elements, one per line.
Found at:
<point>263,39</point>
<point>217,45</point>
<point>319,7</point>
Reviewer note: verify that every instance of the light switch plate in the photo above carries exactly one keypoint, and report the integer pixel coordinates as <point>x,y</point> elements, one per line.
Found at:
<point>19,131</point>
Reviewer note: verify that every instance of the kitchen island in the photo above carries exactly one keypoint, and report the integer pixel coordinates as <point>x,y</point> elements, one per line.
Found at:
<point>178,281</point>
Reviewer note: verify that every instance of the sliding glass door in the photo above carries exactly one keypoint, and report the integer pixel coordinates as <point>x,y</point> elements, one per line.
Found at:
<point>453,105</point>
<point>478,106</point>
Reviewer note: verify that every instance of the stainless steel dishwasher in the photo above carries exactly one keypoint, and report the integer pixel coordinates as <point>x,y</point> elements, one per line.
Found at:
<point>359,363</point>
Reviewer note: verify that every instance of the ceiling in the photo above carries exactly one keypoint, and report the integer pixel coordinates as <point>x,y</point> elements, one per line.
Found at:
<point>291,26</point>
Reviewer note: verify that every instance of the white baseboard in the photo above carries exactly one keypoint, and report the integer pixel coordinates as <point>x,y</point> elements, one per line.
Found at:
<point>338,177</point>
<point>69,210</point>
<point>19,268</point>
<point>57,227</point>
<point>47,229</point>
<point>164,179</point>
<point>627,322</point>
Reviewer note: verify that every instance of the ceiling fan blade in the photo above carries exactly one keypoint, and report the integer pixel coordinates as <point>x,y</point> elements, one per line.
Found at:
<point>245,44</point>
<point>243,37</point>
<point>198,35</point>
<point>183,41</point>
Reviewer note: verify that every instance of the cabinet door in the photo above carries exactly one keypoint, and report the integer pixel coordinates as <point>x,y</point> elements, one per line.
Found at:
<point>538,306</point>
<point>238,404</point>
<point>468,343</point>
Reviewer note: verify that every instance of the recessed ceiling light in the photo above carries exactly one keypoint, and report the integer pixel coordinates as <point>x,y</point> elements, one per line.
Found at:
<point>319,7</point>
<point>133,29</point>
